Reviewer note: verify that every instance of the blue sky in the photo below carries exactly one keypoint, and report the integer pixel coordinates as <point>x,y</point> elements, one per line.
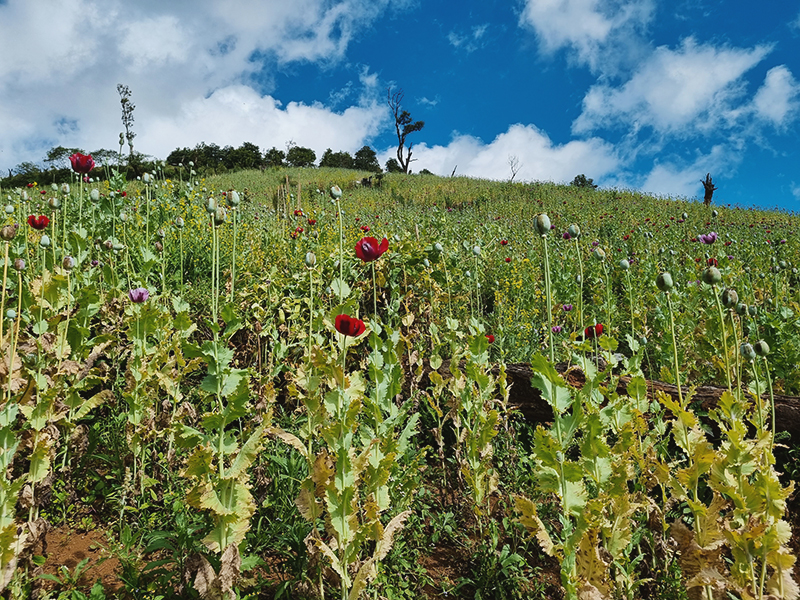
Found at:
<point>643,94</point>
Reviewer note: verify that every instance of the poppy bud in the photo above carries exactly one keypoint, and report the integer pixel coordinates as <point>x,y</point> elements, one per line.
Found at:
<point>476,250</point>
<point>729,298</point>
<point>438,248</point>
<point>664,282</point>
<point>94,195</point>
<point>542,224</point>
<point>624,264</point>
<point>45,241</point>
<point>712,276</point>
<point>10,209</point>
<point>11,314</point>
<point>761,347</point>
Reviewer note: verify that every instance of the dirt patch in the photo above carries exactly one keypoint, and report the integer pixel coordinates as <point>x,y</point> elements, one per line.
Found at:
<point>66,548</point>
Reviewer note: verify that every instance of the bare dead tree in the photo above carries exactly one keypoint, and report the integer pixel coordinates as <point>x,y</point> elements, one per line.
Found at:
<point>403,125</point>
<point>709,188</point>
<point>515,165</point>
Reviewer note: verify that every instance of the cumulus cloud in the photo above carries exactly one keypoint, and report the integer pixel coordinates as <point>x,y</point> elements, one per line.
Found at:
<point>597,33</point>
<point>692,88</point>
<point>182,60</point>
<point>539,158</point>
<point>681,178</point>
<point>778,98</point>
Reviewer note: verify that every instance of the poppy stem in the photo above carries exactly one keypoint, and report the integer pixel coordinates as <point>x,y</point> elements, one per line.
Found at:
<point>3,300</point>
<point>374,293</point>
<point>724,337</point>
<point>548,293</point>
<point>674,349</point>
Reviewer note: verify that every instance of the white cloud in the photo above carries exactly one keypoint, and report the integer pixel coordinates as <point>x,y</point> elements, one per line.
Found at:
<point>678,178</point>
<point>689,89</point>
<point>185,62</point>
<point>539,157</point>
<point>778,99</point>
<point>598,33</point>
<point>469,41</point>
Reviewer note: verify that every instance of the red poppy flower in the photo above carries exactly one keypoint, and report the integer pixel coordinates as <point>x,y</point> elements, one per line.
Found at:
<point>347,325</point>
<point>312,221</point>
<point>712,262</point>
<point>504,242</point>
<point>30,185</point>
<point>365,228</point>
<point>368,249</point>
<point>82,163</point>
<point>490,337</point>
<point>39,222</point>
<point>508,259</point>
<point>298,212</point>
<point>593,331</point>
<point>298,230</point>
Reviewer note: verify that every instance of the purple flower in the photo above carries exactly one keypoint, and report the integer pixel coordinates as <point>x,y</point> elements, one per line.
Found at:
<point>566,235</point>
<point>708,238</point>
<point>557,329</point>
<point>138,295</point>
<point>567,307</point>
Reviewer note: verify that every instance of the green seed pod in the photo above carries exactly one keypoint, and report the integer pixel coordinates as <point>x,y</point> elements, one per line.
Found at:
<point>783,264</point>
<point>574,231</point>
<point>476,250</point>
<point>664,282</point>
<point>211,205</point>
<point>542,224</point>
<point>714,213</point>
<point>54,203</point>
<point>599,253</point>
<point>761,347</point>
<point>65,188</point>
<point>729,298</point>
<point>438,248</point>
<point>712,276</point>
<point>10,209</point>
<point>180,223</point>
<point>747,351</point>
<point>233,198</point>
<point>336,192</point>
<point>45,241</point>
<point>94,195</point>
<point>123,217</point>
<point>311,259</point>
<point>752,310</point>
<point>684,216</point>
<point>54,187</point>
<point>11,314</point>
<point>624,264</point>
<point>68,263</point>
<point>220,215</point>
<point>741,309</point>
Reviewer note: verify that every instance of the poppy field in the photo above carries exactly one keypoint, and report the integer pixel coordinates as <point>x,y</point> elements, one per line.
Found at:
<point>284,384</point>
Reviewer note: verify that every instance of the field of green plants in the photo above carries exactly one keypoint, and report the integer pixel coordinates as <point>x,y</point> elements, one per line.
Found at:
<point>282,384</point>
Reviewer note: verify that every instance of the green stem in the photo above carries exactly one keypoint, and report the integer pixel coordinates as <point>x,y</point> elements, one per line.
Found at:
<point>233,261</point>
<point>724,338</point>
<point>374,293</point>
<point>580,294</point>
<point>3,299</point>
<point>675,350</point>
<point>548,293</point>
<point>772,404</point>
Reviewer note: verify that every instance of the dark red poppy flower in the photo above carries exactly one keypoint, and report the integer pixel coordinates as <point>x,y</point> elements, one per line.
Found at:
<point>490,337</point>
<point>347,325</point>
<point>368,249</point>
<point>298,212</point>
<point>312,221</point>
<point>365,228</point>
<point>508,259</point>
<point>593,331</point>
<point>82,163</point>
<point>712,262</point>
<point>504,242</point>
<point>39,222</point>
<point>30,185</point>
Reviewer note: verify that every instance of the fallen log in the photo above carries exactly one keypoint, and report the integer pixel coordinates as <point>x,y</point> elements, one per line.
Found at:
<point>528,400</point>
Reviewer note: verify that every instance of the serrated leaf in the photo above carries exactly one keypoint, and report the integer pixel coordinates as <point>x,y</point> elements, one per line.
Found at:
<point>247,454</point>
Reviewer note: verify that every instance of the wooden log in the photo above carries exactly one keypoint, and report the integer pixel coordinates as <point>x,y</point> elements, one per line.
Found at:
<point>528,400</point>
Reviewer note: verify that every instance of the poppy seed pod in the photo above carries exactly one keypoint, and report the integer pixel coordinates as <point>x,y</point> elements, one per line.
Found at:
<point>541,223</point>
<point>65,188</point>
<point>741,309</point>
<point>211,205</point>
<point>108,245</point>
<point>19,264</point>
<point>664,282</point>
<point>729,298</point>
<point>94,195</point>
<point>161,233</point>
<point>147,178</point>
<point>599,253</point>
<point>10,209</point>
<point>123,217</point>
<point>747,351</point>
<point>574,231</point>
<point>476,250</point>
<point>712,276</point>
<point>68,263</point>
<point>761,347</point>
<point>11,314</point>
<point>438,248</point>
<point>8,232</point>
<point>220,215</point>
<point>311,259</point>
<point>336,192</point>
<point>233,198</point>
<point>45,241</point>
<point>714,213</point>
<point>54,187</point>
<point>624,264</point>
<point>752,310</point>
<point>54,203</point>
<point>684,216</point>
